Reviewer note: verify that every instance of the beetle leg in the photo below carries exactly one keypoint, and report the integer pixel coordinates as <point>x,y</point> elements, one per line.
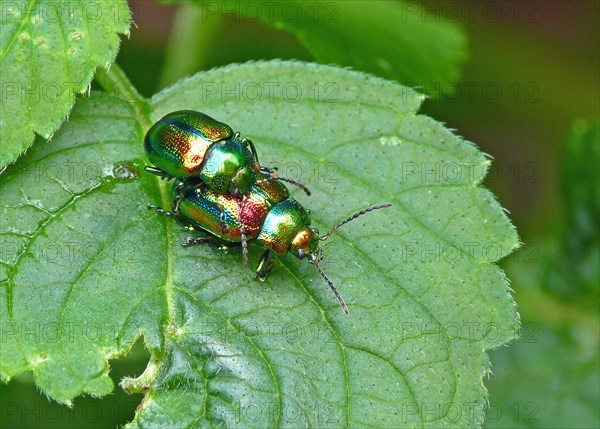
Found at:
<point>211,240</point>
<point>173,215</point>
<point>250,144</point>
<point>166,213</point>
<point>160,210</point>
<point>242,232</point>
<point>158,172</point>
<point>194,241</point>
<point>265,265</point>
<point>178,198</point>
<point>223,218</point>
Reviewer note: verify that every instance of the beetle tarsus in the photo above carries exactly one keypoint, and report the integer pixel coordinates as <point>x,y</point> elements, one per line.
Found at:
<point>160,210</point>
<point>158,172</point>
<point>191,241</point>
<point>265,265</point>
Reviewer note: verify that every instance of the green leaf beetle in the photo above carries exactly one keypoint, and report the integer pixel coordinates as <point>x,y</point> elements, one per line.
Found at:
<point>188,144</point>
<point>267,215</point>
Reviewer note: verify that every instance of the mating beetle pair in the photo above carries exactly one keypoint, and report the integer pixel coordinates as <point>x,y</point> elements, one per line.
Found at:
<point>223,193</point>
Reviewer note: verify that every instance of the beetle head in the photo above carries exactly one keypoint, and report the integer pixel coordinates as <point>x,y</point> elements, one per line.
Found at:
<point>306,243</point>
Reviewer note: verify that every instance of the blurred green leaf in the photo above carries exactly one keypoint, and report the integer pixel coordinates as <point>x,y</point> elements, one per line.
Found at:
<point>192,37</point>
<point>549,380</point>
<point>87,269</point>
<point>551,376</point>
<point>48,52</point>
<point>397,40</point>
<point>575,272</point>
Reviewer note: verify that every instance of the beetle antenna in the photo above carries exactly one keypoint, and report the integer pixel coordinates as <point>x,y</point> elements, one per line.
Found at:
<point>354,216</point>
<point>293,182</point>
<point>330,283</point>
<point>243,233</point>
<point>271,174</point>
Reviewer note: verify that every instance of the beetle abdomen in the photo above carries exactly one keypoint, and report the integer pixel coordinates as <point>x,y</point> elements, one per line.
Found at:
<point>178,143</point>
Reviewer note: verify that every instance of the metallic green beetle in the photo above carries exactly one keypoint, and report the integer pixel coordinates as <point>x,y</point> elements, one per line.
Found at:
<point>188,144</point>
<point>267,215</point>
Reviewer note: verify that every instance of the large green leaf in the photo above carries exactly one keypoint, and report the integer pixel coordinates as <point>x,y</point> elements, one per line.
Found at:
<point>49,50</point>
<point>426,299</point>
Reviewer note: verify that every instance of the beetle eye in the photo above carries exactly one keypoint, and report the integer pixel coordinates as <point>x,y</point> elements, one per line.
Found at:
<point>301,254</point>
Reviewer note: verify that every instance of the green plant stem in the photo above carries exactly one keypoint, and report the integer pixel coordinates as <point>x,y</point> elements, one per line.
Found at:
<point>193,35</point>
<point>115,81</point>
